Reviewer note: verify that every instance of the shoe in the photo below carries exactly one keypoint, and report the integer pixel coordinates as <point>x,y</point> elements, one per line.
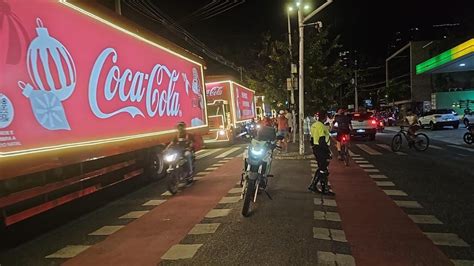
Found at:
<point>329,193</point>
<point>312,189</point>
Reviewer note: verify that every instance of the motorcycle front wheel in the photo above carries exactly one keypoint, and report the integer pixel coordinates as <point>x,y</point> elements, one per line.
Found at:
<point>249,192</point>
<point>468,138</point>
<point>173,181</point>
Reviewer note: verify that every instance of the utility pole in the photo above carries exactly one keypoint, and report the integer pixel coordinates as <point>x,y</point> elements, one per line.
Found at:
<point>292,89</point>
<point>356,96</point>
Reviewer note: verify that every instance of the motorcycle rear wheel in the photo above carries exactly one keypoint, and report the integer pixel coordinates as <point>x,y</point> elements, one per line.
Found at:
<point>468,138</point>
<point>249,192</point>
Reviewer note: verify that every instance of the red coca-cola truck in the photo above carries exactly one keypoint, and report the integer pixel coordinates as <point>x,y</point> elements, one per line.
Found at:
<point>88,100</point>
<point>230,107</point>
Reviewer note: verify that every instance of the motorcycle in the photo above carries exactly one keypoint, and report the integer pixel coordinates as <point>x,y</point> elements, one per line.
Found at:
<point>257,165</point>
<point>178,168</point>
<point>468,135</point>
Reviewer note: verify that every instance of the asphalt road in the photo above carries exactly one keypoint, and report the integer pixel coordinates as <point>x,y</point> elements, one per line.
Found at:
<point>280,231</point>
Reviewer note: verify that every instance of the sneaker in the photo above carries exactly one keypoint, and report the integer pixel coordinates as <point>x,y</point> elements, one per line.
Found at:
<point>312,189</point>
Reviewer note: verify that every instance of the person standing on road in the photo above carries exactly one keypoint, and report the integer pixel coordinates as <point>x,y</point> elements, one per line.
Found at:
<point>320,142</point>
<point>282,122</point>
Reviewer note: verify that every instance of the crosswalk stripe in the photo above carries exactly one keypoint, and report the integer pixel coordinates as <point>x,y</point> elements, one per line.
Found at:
<point>208,153</point>
<point>388,148</point>
<point>222,155</point>
<point>368,149</point>
<point>200,151</point>
<point>462,148</point>
<point>446,239</point>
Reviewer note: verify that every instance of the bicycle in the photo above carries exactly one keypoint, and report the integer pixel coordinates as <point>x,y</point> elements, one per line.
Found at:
<point>419,141</point>
<point>345,149</point>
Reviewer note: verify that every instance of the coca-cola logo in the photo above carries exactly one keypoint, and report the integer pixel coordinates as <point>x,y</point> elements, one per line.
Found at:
<point>215,91</point>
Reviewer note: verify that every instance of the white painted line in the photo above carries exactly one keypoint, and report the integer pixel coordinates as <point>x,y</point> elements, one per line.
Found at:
<point>181,251</point>
<point>235,190</point>
<point>207,153</point>
<point>326,202</point>
<point>378,176</point>
<point>166,193</point>
<point>462,148</point>
<point>329,258</point>
<point>214,213</point>
<point>384,183</point>
<point>229,158</point>
<point>395,192</point>
<point>217,165</point>
<point>463,262</point>
<point>388,148</point>
<point>211,168</point>
<point>202,173</point>
<point>223,161</point>
<point>329,234</point>
<point>200,151</point>
<point>67,252</point>
<point>133,215</point>
<point>371,170</point>
<point>154,202</point>
<point>366,165</point>
<point>436,147</point>
<point>200,229</point>
<point>329,216</point>
<point>226,200</point>
<point>222,155</point>
<point>446,239</point>
<point>353,154</point>
<point>408,204</point>
<point>361,161</point>
<point>106,230</point>
<point>424,219</point>
<point>368,149</point>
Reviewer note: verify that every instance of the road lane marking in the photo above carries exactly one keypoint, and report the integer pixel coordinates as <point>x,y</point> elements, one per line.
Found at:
<point>208,153</point>
<point>181,251</point>
<point>211,168</point>
<point>446,239</point>
<point>358,162</point>
<point>329,234</point>
<point>394,192</point>
<point>463,262</point>
<point>133,215</point>
<point>384,183</point>
<point>203,173</point>
<point>200,229</point>
<point>366,165</point>
<point>67,252</point>
<point>378,176</point>
<point>329,258</point>
<point>222,155</point>
<point>226,200</point>
<point>154,202</point>
<point>223,161</point>
<point>215,213</point>
<point>388,148</point>
<point>200,151</point>
<point>166,193</point>
<point>424,219</point>
<point>436,147</point>
<point>235,190</point>
<point>329,216</point>
<point>106,230</point>
<point>353,154</point>
<point>368,149</point>
<point>408,204</point>
<point>326,202</point>
<point>371,170</point>
<point>217,165</point>
<point>462,148</point>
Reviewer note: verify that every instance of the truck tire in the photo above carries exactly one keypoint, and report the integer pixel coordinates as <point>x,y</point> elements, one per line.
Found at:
<point>156,164</point>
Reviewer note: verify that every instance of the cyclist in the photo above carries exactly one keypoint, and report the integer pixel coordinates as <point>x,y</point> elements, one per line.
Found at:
<point>343,126</point>
<point>320,142</point>
<point>412,120</point>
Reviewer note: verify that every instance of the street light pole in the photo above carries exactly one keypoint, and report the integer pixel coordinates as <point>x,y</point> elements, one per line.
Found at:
<point>292,89</point>
<point>301,21</point>
<point>356,96</point>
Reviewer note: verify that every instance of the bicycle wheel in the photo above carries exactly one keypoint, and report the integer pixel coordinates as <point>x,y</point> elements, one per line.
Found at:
<point>396,142</point>
<point>346,155</point>
<point>421,142</point>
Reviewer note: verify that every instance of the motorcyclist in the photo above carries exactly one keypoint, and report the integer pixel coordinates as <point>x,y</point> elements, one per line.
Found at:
<point>343,126</point>
<point>320,142</point>
<point>185,142</point>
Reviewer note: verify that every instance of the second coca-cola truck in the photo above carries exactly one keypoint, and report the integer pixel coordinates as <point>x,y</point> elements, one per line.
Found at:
<point>230,106</point>
<point>85,103</point>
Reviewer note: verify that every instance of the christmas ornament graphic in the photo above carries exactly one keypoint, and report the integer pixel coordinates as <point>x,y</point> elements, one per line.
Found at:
<point>6,111</point>
<point>45,94</point>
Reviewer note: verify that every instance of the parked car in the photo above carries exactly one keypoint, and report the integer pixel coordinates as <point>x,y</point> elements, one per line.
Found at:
<point>468,118</point>
<point>364,125</point>
<point>439,118</point>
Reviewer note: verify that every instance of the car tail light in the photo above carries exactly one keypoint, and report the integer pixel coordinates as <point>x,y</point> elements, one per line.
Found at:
<point>381,123</point>
<point>373,122</point>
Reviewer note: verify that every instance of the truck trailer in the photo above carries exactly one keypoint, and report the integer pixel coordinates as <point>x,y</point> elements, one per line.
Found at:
<point>88,100</point>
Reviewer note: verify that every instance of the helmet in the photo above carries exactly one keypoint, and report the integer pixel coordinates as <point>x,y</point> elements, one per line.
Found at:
<point>341,111</point>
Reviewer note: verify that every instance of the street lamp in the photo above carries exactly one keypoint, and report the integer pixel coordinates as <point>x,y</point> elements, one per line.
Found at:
<point>301,21</point>
<point>292,89</point>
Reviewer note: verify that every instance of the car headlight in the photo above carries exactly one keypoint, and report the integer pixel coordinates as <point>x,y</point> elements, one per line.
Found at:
<point>170,157</point>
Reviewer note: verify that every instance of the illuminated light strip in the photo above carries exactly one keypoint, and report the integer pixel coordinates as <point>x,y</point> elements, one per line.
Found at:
<point>87,143</point>
<point>445,57</point>
<point>64,2</point>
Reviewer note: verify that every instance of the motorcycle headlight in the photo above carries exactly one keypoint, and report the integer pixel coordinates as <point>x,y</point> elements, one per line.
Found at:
<point>222,132</point>
<point>170,157</point>
<point>256,152</point>
<point>258,126</point>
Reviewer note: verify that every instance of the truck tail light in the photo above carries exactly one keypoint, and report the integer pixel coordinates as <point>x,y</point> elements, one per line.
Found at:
<point>373,122</point>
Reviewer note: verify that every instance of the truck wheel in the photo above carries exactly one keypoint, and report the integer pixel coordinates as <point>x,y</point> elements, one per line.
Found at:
<point>156,164</point>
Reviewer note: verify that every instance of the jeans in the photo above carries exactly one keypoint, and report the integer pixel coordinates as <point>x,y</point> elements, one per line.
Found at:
<point>322,173</point>
<point>189,157</point>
